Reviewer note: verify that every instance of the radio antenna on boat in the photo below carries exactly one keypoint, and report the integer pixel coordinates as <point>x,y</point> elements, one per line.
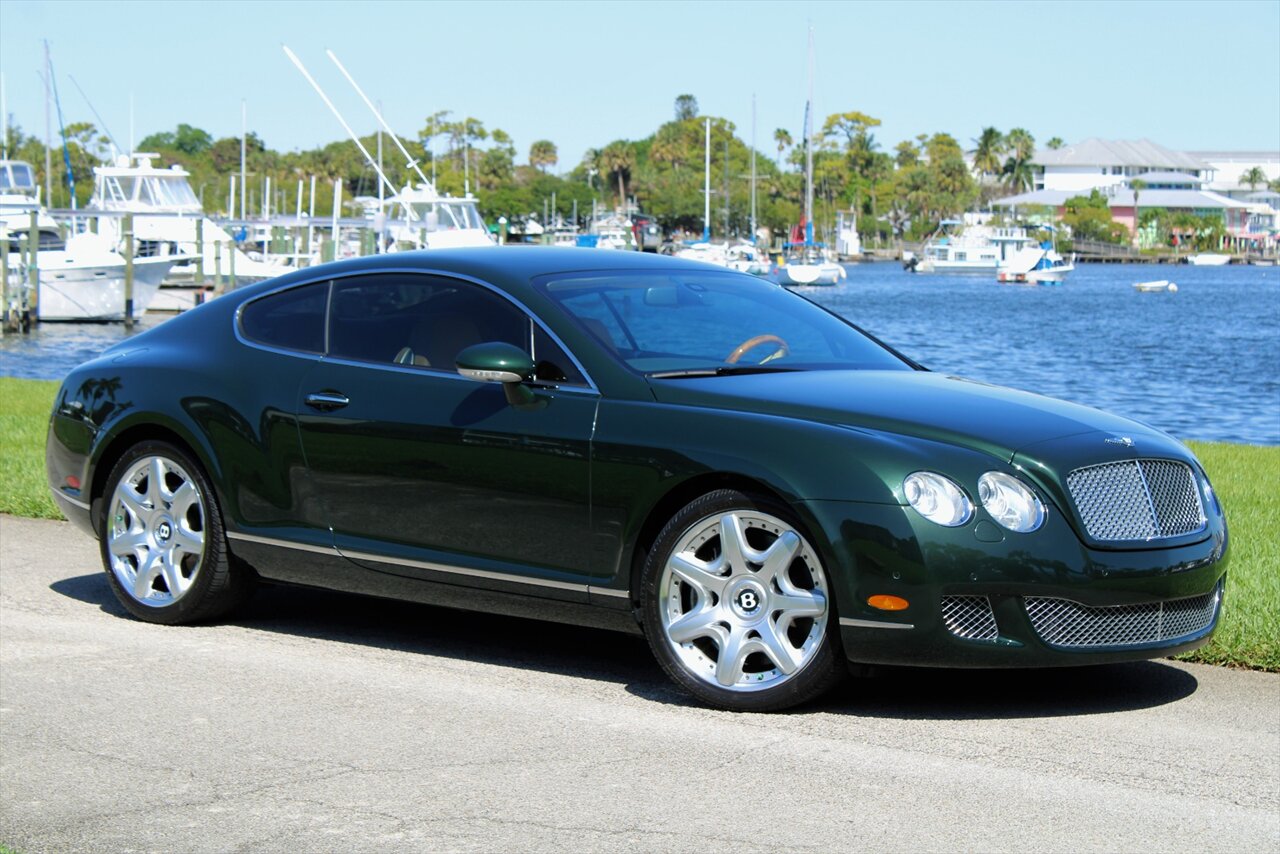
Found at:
<point>342,121</point>
<point>410,163</point>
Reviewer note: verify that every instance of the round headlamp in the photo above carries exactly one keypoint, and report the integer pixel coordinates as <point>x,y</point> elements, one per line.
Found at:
<point>937,498</point>
<point>1010,502</point>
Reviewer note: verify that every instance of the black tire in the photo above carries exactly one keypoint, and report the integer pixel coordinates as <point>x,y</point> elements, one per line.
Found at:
<point>209,583</point>
<point>693,663</point>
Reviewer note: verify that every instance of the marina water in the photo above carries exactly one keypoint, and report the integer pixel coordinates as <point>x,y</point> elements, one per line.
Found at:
<point>1202,363</point>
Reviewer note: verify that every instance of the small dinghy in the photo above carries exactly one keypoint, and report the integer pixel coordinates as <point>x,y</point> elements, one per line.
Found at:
<point>1160,286</point>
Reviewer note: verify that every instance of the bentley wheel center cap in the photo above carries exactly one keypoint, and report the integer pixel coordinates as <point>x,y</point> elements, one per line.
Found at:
<point>749,600</point>
<point>164,531</point>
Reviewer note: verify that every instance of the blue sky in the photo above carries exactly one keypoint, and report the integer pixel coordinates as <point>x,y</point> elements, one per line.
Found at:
<point>1188,75</point>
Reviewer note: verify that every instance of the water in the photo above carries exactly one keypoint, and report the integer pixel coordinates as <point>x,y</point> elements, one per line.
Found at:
<point>1203,363</point>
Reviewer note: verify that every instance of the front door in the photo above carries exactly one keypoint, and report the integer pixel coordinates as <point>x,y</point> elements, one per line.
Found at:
<point>426,473</point>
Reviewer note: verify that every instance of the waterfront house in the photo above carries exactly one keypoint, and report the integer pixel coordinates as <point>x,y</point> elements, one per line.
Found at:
<point>1174,181</point>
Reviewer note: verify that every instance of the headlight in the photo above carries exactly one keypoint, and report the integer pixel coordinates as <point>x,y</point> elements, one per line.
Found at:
<point>1010,502</point>
<point>937,498</point>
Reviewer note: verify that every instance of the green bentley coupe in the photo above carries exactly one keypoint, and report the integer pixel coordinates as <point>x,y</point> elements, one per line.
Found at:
<point>631,441</point>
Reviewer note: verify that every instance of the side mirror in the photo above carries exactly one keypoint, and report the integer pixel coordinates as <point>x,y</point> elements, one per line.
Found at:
<point>499,362</point>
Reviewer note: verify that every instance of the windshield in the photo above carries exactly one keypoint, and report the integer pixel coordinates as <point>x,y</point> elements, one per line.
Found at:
<point>18,177</point>
<point>711,322</point>
<point>446,216</point>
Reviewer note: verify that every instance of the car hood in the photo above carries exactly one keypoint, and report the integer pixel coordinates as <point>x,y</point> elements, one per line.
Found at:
<point>986,418</point>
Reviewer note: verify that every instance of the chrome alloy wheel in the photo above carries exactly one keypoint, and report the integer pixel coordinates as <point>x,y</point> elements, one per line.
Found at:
<point>743,601</point>
<point>156,535</point>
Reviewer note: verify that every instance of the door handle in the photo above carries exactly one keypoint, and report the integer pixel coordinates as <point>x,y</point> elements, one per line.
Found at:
<point>327,400</point>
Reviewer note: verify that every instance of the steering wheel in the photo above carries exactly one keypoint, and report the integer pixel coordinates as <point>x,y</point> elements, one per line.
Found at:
<point>741,349</point>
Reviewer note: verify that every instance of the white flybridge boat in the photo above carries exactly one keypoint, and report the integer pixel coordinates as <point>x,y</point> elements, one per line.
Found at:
<point>1208,259</point>
<point>81,279</point>
<point>423,218</point>
<point>165,212</point>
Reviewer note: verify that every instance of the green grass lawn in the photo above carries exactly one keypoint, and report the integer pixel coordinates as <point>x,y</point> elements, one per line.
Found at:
<point>1245,476</point>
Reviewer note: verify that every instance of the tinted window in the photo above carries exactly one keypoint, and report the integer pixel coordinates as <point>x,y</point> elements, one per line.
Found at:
<point>292,319</point>
<point>660,322</point>
<point>418,320</point>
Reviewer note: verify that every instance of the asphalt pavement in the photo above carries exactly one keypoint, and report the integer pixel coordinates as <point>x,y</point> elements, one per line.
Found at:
<point>324,722</point>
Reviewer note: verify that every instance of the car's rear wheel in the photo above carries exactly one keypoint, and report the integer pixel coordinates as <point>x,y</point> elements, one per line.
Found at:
<point>162,540</point>
<point>737,606</point>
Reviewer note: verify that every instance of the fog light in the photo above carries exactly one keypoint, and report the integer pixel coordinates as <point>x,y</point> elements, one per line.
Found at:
<point>882,602</point>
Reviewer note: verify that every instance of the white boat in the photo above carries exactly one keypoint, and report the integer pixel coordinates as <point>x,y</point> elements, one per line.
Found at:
<point>81,278</point>
<point>1036,265</point>
<point>165,212</point>
<point>1208,259</point>
<point>975,249</point>
<point>807,264</point>
<point>424,219</point>
<point>86,281</point>
<point>1158,286</point>
<point>746,258</point>
<point>743,257</point>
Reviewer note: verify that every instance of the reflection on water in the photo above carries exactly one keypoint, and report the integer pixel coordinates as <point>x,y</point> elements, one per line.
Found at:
<point>1203,363</point>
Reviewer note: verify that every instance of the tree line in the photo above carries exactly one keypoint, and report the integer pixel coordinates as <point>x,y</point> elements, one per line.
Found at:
<point>898,194</point>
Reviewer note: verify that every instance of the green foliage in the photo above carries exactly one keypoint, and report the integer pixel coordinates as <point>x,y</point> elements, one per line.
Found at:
<point>1089,218</point>
<point>686,107</point>
<point>1253,177</point>
<point>1055,143</point>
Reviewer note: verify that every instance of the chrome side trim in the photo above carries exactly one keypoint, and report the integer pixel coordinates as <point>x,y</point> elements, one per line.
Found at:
<point>67,498</point>
<point>434,567</point>
<point>874,624</point>
<point>472,573</point>
<point>284,544</point>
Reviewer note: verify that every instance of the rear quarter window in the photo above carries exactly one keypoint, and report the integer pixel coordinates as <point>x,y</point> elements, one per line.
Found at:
<point>290,320</point>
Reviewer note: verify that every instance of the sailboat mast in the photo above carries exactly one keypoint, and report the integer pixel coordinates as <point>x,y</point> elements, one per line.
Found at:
<point>808,151</point>
<point>706,187</point>
<point>753,167</point>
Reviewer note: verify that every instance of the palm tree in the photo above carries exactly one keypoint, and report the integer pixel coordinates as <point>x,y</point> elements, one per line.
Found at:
<point>618,158</point>
<point>1253,177</point>
<point>1021,143</point>
<point>1137,185</point>
<point>986,156</point>
<point>1017,169</point>
<point>542,153</point>
<point>1055,143</point>
<point>783,138</point>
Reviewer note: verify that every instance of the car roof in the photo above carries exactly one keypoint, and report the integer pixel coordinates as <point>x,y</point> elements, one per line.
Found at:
<point>509,267</point>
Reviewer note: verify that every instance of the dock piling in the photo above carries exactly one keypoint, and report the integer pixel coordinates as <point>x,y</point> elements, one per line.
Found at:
<point>128,270</point>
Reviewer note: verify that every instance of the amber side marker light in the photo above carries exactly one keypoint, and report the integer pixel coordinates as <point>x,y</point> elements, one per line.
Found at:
<point>888,603</point>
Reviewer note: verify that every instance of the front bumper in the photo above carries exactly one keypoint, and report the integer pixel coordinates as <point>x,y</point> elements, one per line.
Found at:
<point>981,596</point>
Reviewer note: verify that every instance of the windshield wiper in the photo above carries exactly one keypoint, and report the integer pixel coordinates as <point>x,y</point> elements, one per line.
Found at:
<point>722,371</point>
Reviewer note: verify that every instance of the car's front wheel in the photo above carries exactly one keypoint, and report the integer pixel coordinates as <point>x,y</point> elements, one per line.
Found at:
<point>162,539</point>
<point>737,606</point>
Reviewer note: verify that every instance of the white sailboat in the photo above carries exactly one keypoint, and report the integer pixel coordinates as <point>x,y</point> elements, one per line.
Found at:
<point>806,262</point>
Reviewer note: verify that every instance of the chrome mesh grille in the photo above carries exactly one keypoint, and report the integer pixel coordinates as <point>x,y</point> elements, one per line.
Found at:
<point>1137,500</point>
<point>969,617</point>
<point>1064,623</point>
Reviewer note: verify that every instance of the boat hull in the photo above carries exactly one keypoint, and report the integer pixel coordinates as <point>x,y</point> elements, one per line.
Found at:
<point>84,292</point>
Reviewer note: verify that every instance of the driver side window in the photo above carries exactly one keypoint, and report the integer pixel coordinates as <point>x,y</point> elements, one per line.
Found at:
<point>424,321</point>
